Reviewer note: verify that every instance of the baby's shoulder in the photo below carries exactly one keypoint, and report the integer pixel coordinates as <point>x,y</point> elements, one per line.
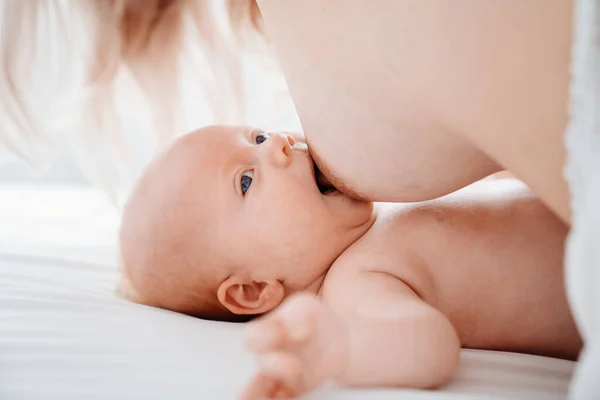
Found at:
<point>410,241</point>
<point>386,235</point>
<point>388,247</point>
<point>392,233</point>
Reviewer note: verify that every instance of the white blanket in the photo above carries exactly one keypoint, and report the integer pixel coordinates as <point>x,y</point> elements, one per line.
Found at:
<point>64,335</point>
<point>583,173</point>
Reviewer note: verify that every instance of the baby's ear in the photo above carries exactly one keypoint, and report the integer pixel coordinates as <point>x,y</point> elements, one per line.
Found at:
<point>244,296</point>
<point>126,290</point>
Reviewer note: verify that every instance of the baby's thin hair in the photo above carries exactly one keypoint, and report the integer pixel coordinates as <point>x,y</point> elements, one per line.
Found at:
<point>199,302</point>
<point>163,261</point>
<point>61,60</point>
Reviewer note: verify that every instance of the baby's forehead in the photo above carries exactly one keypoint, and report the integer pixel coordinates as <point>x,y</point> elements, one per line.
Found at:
<point>203,148</point>
<point>213,135</point>
<point>198,149</point>
<point>192,173</point>
<point>208,148</point>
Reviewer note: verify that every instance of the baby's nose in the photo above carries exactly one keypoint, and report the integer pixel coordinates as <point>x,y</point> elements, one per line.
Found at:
<point>281,149</point>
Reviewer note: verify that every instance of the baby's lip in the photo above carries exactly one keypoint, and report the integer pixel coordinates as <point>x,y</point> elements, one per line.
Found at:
<point>321,182</point>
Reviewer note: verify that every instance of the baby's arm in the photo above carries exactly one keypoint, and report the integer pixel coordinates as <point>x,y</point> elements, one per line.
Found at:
<point>394,337</point>
<point>370,330</point>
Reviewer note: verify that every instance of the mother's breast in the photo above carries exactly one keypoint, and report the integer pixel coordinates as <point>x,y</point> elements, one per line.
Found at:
<point>368,93</point>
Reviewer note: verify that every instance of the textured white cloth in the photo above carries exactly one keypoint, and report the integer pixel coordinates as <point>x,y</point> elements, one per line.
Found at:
<point>582,171</point>
<point>64,335</point>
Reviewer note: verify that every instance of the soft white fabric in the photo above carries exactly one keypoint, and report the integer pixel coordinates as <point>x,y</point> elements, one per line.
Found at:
<point>582,143</point>
<point>64,335</point>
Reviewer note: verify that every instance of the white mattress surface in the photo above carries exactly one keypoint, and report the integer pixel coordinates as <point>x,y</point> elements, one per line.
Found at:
<point>64,335</point>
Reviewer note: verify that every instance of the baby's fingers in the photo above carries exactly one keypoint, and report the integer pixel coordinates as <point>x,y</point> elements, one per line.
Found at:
<point>292,323</point>
<point>280,377</point>
<point>298,315</point>
<point>265,334</point>
<point>261,387</point>
<point>286,370</point>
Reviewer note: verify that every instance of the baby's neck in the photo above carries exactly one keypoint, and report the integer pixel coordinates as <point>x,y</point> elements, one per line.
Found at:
<point>316,286</point>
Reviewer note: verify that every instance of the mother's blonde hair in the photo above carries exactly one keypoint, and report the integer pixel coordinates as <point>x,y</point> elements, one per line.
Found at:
<point>60,60</point>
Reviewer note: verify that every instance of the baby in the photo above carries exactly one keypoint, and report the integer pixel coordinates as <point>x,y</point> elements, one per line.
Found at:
<point>231,223</point>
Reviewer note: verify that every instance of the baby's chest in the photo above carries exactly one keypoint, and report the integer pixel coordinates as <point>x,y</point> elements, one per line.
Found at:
<point>389,248</point>
<point>420,247</point>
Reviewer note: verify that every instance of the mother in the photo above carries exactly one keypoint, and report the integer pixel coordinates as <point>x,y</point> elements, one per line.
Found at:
<point>406,100</point>
<point>424,97</point>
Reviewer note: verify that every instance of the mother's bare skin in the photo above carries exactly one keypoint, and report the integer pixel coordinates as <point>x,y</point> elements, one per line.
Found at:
<point>431,95</point>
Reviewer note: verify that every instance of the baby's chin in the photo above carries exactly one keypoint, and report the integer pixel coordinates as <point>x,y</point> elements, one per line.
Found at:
<point>351,213</point>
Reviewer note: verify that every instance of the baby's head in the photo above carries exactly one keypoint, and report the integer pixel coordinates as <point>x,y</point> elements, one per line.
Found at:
<point>229,221</point>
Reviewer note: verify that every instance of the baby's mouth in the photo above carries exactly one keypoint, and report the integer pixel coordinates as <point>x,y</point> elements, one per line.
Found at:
<point>325,187</point>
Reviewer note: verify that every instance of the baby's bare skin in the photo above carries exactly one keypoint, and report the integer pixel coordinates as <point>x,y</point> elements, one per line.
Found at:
<point>232,221</point>
<point>477,257</point>
<point>479,269</point>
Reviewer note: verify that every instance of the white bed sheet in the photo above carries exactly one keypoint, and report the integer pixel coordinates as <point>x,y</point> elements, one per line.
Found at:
<point>64,335</point>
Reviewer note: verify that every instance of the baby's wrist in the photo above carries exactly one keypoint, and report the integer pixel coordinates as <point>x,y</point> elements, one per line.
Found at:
<point>340,351</point>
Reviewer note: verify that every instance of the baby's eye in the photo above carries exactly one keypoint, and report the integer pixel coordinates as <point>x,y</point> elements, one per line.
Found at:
<point>246,180</point>
<point>260,138</point>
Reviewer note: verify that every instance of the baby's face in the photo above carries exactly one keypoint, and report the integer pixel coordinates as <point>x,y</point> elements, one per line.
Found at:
<point>247,203</point>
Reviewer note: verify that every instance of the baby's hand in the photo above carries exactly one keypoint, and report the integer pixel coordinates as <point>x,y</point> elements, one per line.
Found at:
<point>299,346</point>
